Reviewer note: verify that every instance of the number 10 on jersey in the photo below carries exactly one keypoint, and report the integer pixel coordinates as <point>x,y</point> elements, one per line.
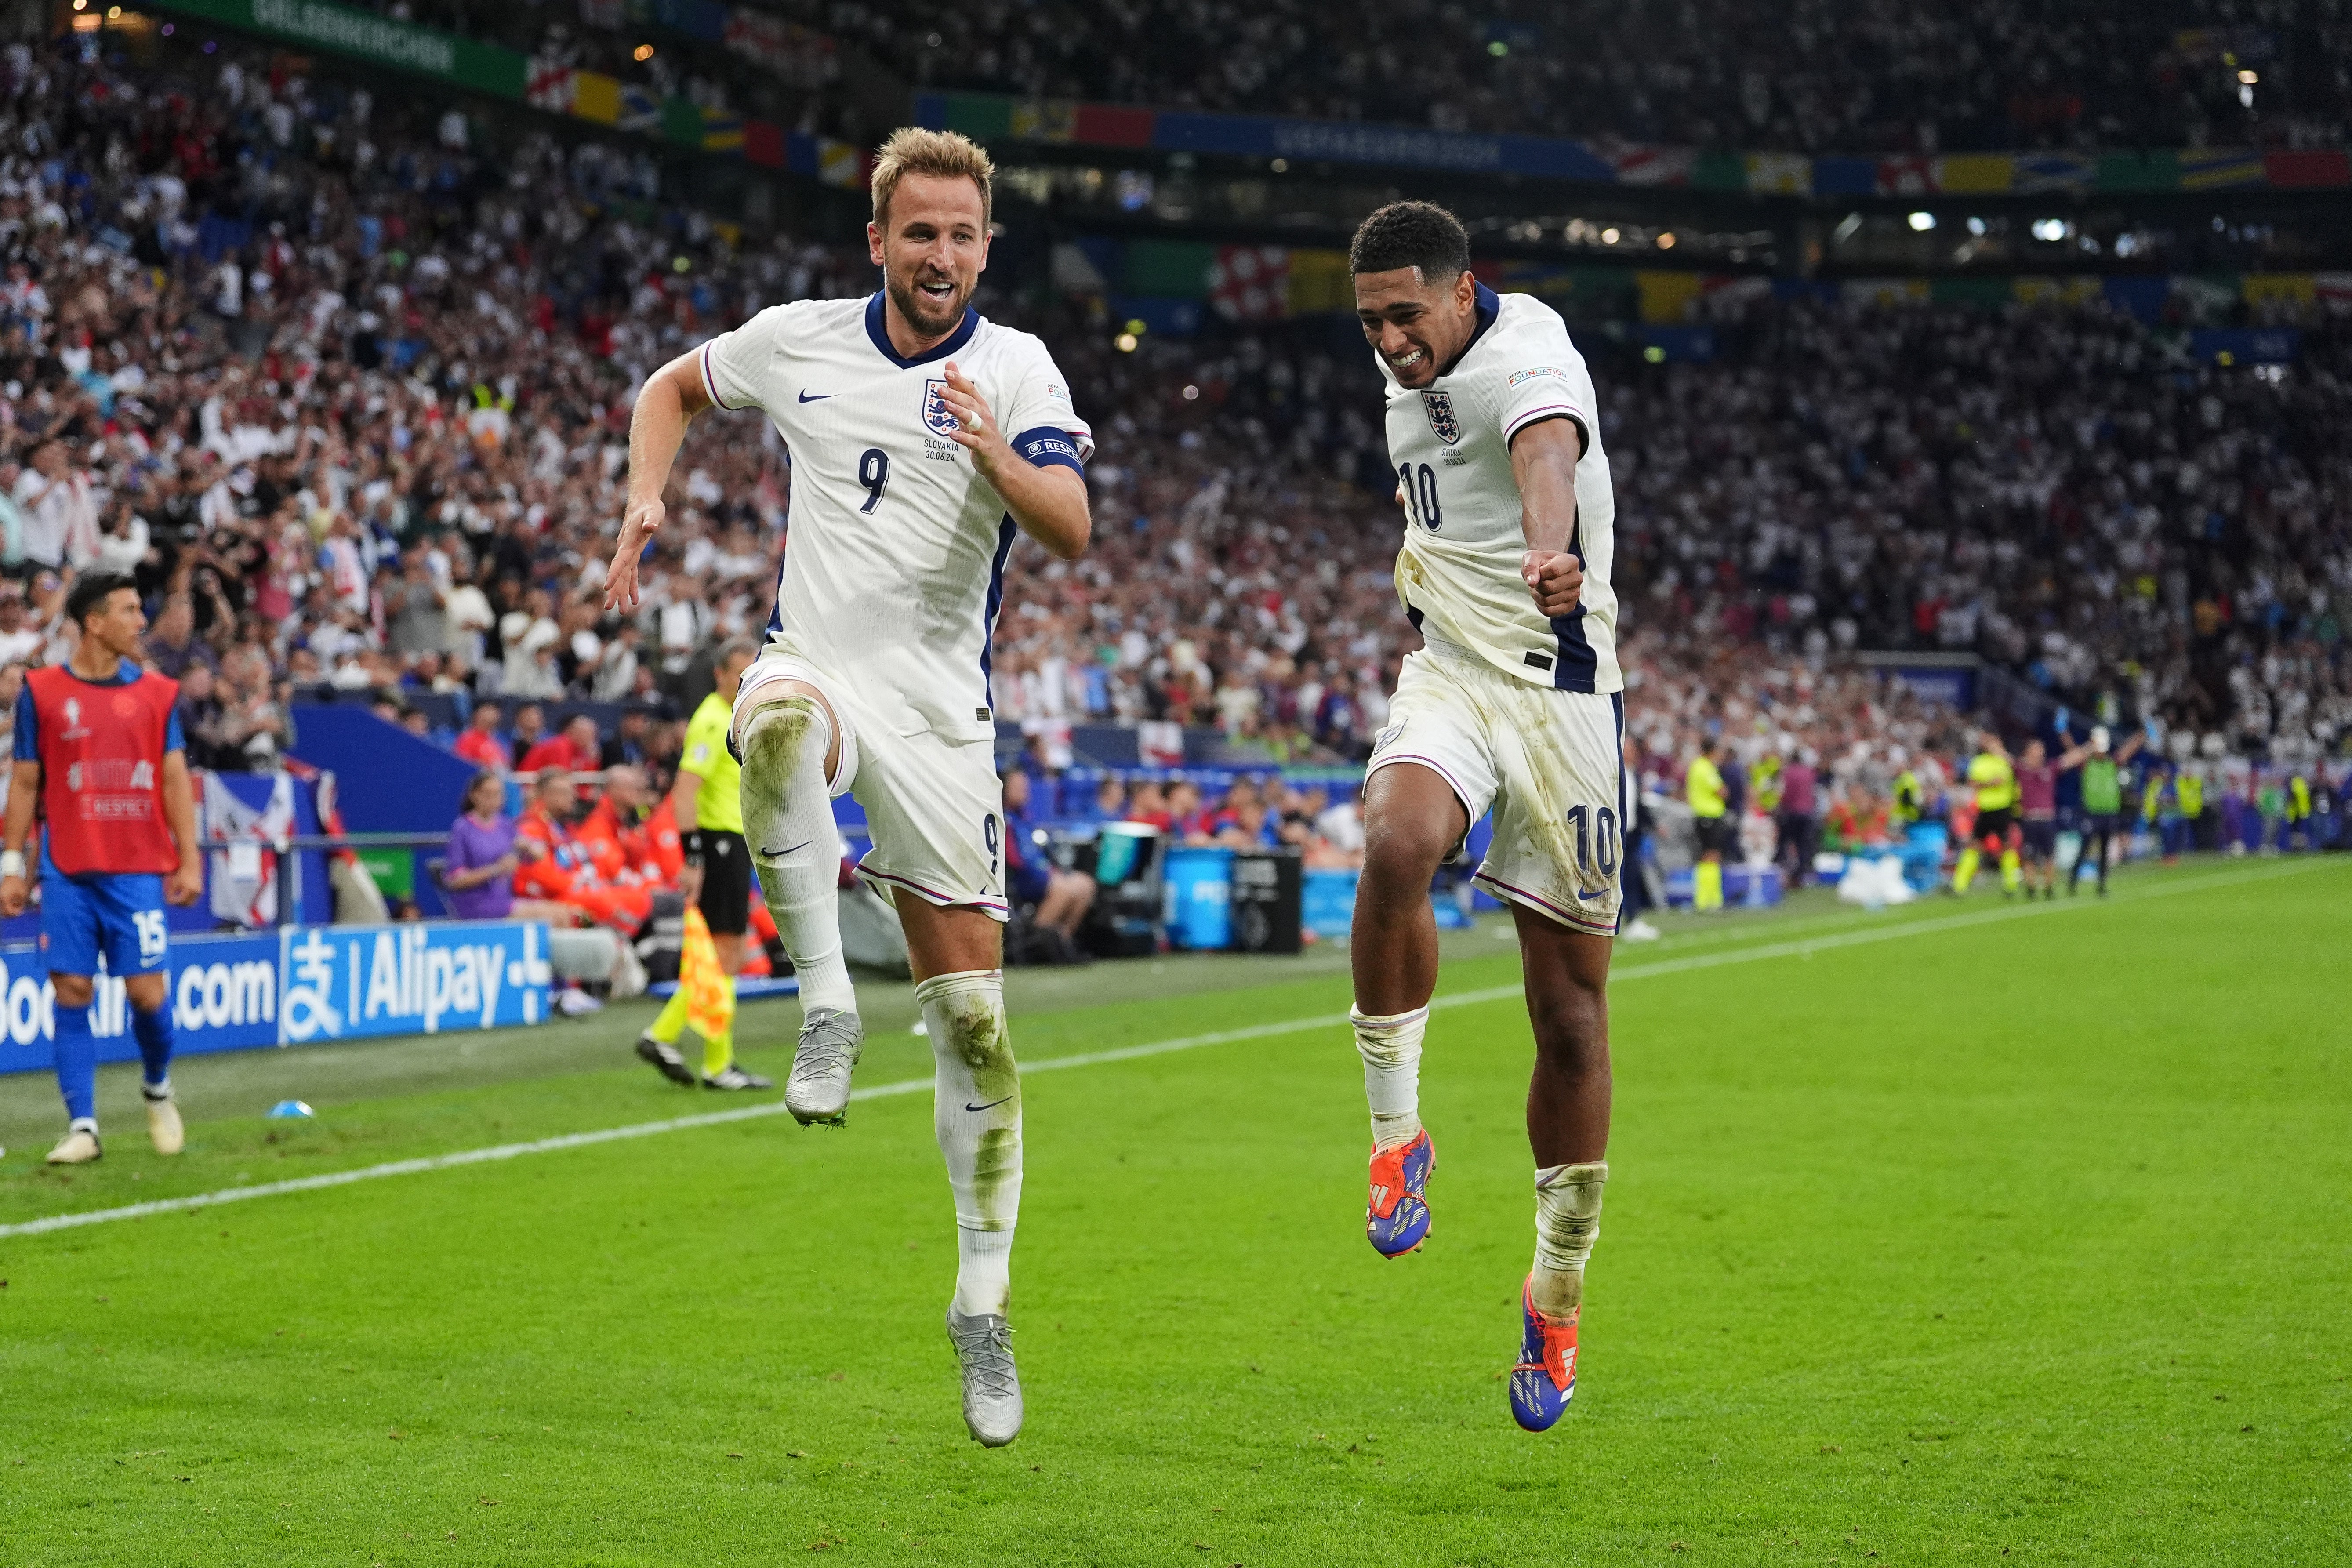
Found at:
<point>1419,490</point>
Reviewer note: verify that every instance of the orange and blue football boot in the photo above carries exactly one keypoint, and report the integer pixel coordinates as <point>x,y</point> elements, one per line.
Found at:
<point>1397,1218</point>
<point>1545,1379</point>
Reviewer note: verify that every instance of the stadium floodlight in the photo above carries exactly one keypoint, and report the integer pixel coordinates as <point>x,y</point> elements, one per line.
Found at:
<point>1608,237</point>
<point>1921,222</point>
<point>2049,230</point>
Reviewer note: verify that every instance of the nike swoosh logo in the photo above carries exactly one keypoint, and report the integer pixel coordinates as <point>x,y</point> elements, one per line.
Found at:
<point>818,398</point>
<point>990,1105</point>
<point>780,854</point>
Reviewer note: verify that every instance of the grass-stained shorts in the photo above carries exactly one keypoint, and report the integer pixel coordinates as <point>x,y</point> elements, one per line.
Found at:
<point>1550,763</point>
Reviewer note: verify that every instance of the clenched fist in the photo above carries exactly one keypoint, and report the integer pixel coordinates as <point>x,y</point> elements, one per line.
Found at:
<point>1555,578</point>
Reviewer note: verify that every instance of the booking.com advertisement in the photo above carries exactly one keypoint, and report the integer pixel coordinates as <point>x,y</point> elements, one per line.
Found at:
<point>299,985</point>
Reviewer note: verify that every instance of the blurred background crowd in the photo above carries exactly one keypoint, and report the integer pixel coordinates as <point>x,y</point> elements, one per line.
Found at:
<point>346,388</point>
<point>1882,77</point>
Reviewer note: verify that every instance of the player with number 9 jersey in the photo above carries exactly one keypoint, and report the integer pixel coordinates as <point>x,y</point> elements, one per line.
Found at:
<point>924,440</point>
<point>895,566</point>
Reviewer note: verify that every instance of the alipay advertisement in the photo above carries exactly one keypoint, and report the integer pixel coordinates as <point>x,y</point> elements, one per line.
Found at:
<point>299,985</point>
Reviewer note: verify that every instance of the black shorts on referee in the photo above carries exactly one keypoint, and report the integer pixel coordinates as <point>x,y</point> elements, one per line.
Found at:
<point>1992,827</point>
<point>1719,833</point>
<point>726,901</point>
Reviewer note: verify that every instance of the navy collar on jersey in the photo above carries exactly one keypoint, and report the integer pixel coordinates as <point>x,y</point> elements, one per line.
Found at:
<point>125,674</point>
<point>1488,305</point>
<point>877,328</point>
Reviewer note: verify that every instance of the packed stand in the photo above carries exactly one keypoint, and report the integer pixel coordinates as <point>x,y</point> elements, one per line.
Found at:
<point>2066,492</point>
<point>349,394</point>
<point>1809,78</point>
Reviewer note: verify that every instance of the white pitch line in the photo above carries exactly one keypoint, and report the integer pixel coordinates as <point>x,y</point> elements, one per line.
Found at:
<point>1096,1058</point>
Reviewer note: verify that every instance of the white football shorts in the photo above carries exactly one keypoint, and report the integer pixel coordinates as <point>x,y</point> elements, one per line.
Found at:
<point>934,806</point>
<point>1550,763</point>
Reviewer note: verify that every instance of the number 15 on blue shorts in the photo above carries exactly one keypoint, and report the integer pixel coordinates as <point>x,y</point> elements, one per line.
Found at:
<point>120,914</point>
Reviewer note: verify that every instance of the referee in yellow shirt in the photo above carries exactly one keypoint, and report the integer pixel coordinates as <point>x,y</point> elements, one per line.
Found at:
<point>1995,833</point>
<point>1717,835</point>
<point>718,876</point>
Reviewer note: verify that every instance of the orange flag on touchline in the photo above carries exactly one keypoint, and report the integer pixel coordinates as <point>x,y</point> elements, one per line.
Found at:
<point>709,1000</point>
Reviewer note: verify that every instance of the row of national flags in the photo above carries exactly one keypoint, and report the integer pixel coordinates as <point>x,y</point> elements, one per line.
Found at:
<point>1172,283</point>
<point>628,106</point>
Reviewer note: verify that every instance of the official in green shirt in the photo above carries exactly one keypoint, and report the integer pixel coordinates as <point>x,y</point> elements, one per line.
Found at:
<point>2102,800</point>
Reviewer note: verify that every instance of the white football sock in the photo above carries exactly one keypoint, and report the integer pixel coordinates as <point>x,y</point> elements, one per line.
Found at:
<point>786,809</point>
<point>1391,1048</point>
<point>976,1111</point>
<point>984,1271</point>
<point>1567,1222</point>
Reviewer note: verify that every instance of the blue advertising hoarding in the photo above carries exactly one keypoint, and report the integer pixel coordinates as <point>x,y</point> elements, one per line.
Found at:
<point>343,983</point>
<point>299,985</point>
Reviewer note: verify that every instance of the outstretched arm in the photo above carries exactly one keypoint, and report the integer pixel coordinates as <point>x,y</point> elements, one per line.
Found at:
<point>669,399</point>
<point>1543,461</point>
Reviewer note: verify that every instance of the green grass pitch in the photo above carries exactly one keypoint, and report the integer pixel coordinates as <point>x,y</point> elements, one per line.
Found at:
<point>2021,1237</point>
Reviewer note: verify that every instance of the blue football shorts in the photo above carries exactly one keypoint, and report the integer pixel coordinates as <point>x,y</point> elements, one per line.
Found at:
<point>118,913</point>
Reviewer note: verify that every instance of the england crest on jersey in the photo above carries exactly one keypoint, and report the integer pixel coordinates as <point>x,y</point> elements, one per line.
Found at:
<point>1440,415</point>
<point>937,417</point>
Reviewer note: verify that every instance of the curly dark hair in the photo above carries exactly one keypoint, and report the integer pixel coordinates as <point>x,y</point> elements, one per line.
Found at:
<point>1419,235</point>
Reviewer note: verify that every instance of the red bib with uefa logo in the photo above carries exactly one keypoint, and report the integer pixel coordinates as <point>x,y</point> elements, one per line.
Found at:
<point>102,770</point>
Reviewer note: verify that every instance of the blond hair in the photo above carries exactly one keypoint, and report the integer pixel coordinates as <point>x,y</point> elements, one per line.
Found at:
<point>942,154</point>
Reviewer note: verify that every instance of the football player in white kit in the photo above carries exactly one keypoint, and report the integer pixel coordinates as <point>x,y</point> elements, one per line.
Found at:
<point>1515,702</point>
<point>922,437</point>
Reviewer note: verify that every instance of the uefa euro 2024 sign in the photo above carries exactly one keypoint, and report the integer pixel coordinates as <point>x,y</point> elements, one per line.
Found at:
<point>301,985</point>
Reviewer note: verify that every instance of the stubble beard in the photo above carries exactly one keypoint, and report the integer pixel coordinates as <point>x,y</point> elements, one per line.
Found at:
<point>923,313</point>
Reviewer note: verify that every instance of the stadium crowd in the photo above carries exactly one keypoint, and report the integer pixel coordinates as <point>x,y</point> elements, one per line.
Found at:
<point>347,391</point>
<point>1809,76</point>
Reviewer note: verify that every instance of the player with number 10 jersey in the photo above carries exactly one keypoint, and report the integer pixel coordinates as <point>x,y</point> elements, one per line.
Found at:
<point>1516,704</point>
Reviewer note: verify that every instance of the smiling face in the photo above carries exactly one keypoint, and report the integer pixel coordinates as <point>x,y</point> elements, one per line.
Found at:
<point>1419,329</point>
<point>932,243</point>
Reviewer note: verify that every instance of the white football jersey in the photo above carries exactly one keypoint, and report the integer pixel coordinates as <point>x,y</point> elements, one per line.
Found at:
<point>1458,573</point>
<point>894,564</point>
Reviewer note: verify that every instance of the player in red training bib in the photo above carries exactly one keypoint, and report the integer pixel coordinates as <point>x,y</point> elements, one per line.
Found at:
<point>99,751</point>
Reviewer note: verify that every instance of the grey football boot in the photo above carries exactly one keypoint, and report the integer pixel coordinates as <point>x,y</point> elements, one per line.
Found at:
<point>991,1387</point>
<point>818,1090</point>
